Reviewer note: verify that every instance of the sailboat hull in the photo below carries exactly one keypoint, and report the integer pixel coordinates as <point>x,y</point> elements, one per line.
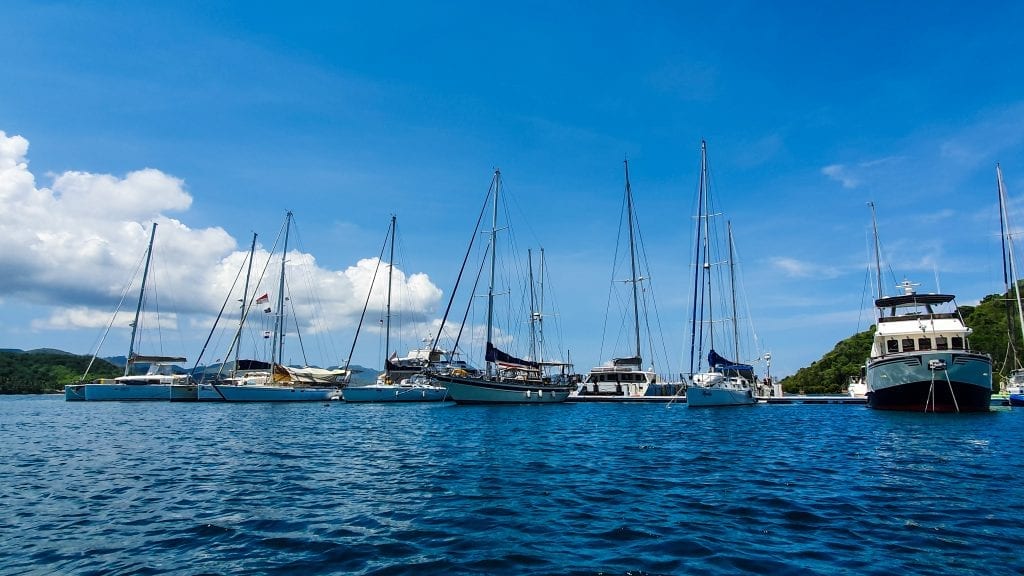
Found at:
<point>701,396</point>
<point>484,391</point>
<point>132,392</point>
<point>259,393</point>
<point>915,382</point>
<point>393,393</point>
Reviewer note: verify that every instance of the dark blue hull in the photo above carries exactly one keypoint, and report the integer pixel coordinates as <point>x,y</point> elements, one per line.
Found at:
<point>922,397</point>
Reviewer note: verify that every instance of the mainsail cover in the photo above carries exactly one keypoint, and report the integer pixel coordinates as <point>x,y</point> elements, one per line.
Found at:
<point>730,367</point>
<point>506,360</point>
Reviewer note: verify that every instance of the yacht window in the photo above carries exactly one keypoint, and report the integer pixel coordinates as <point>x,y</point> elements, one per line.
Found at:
<point>941,343</point>
<point>892,346</point>
<point>908,344</point>
<point>924,343</point>
<point>958,343</point>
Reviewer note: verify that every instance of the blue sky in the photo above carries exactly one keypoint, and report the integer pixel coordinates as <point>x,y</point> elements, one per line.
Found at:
<point>215,118</point>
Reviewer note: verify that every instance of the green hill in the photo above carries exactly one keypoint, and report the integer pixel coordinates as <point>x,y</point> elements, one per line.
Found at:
<point>831,374</point>
<point>40,371</point>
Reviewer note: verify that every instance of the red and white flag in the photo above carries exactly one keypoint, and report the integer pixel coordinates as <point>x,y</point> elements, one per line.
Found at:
<point>263,299</point>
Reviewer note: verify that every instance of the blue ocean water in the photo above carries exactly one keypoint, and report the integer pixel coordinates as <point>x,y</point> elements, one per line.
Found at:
<point>160,488</point>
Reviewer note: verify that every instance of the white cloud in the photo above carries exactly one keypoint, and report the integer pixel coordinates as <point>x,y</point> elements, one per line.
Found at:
<point>799,269</point>
<point>73,248</point>
<point>840,173</point>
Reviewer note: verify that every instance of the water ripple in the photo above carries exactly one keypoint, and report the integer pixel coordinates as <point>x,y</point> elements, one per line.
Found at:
<point>136,488</point>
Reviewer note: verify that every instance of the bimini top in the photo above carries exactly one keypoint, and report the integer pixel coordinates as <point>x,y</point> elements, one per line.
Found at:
<point>914,300</point>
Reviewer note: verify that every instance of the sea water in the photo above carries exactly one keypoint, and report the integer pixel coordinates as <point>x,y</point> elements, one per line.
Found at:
<point>162,488</point>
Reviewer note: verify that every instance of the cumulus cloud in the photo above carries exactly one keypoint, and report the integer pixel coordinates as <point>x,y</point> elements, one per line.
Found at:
<point>72,249</point>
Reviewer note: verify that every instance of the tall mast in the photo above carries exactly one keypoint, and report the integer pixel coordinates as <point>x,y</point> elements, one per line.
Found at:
<point>632,263</point>
<point>697,269</point>
<point>277,355</point>
<point>707,304</point>
<point>732,287</point>
<point>540,309</point>
<point>387,314</point>
<point>245,297</point>
<point>1009,260</point>
<point>142,295</point>
<point>494,254</point>
<point>878,252</point>
<point>533,308</point>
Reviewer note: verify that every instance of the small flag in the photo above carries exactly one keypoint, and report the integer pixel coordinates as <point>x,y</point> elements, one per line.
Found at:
<point>263,299</point>
<point>266,333</point>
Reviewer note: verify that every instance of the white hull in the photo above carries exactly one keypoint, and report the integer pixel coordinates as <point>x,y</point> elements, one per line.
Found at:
<point>393,393</point>
<point>711,396</point>
<point>257,393</point>
<point>116,391</point>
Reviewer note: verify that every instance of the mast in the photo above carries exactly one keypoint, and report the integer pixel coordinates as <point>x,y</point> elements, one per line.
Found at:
<point>697,268</point>
<point>540,309</point>
<point>632,263</point>
<point>277,355</point>
<point>732,287</point>
<point>490,287</point>
<point>245,296</point>
<point>1009,261</point>
<point>707,302</point>
<point>387,314</point>
<point>878,252</point>
<point>534,315</point>
<point>142,294</point>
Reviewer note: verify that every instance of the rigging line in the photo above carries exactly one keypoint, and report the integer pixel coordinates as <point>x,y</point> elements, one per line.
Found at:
<point>612,282</point>
<point>472,239</point>
<point>113,317</point>
<point>223,306</point>
<point>654,304</point>
<point>317,321</point>
<point>469,306</point>
<point>295,321</point>
<point>366,304</point>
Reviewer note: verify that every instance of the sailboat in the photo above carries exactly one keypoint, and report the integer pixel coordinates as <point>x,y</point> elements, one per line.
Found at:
<point>625,378</point>
<point>389,387</point>
<point>254,381</point>
<point>506,378</point>
<point>722,382</point>
<point>160,382</point>
<point>920,358</point>
<point>1013,383</point>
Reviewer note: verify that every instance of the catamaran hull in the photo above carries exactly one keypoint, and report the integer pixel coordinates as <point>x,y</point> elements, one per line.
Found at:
<point>1016,399</point>
<point>930,382</point>
<point>394,394</point>
<point>700,396</point>
<point>134,392</point>
<point>480,391</point>
<point>234,393</point>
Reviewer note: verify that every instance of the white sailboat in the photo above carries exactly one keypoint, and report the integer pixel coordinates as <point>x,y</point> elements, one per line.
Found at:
<point>274,382</point>
<point>506,379</point>
<point>625,378</point>
<point>160,381</point>
<point>410,387</point>
<point>719,382</point>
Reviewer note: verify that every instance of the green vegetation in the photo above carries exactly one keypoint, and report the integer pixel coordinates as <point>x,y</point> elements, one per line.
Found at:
<point>38,372</point>
<point>831,374</point>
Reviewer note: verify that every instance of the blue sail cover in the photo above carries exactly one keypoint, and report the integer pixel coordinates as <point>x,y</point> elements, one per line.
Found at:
<point>506,360</point>
<point>730,368</point>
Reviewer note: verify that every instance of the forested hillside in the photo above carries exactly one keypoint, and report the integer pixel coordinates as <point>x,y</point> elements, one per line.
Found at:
<point>37,372</point>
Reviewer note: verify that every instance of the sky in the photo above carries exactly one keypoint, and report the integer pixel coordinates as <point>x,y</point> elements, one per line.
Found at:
<point>214,119</point>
